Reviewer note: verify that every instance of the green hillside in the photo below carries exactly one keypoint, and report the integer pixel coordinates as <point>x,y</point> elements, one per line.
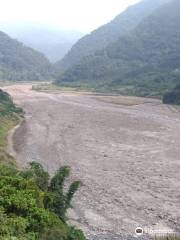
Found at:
<point>18,62</point>
<point>53,43</point>
<point>109,33</point>
<point>145,62</point>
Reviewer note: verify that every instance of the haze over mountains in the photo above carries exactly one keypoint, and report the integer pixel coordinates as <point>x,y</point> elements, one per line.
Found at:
<point>53,43</point>
<point>144,62</point>
<point>109,33</point>
<point>19,62</point>
<point>137,53</point>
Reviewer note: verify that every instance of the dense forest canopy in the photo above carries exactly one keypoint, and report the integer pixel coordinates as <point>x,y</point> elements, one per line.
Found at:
<point>109,33</point>
<point>145,62</point>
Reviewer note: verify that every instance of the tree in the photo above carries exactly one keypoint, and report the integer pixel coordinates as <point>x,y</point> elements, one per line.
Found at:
<point>172,97</point>
<point>57,200</point>
<point>33,206</point>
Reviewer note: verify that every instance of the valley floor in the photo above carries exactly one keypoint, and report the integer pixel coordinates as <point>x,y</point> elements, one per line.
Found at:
<point>127,156</point>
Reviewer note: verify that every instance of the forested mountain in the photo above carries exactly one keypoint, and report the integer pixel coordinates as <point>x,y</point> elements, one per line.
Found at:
<point>54,43</point>
<point>109,33</point>
<point>18,62</point>
<point>144,62</point>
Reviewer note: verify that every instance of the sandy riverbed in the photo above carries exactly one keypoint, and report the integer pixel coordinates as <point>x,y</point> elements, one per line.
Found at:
<point>127,156</point>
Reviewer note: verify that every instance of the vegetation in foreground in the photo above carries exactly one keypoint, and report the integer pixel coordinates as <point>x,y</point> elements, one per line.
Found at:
<point>32,206</point>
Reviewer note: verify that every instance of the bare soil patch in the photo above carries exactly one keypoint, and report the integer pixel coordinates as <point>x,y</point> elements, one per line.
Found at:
<point>126,100</point>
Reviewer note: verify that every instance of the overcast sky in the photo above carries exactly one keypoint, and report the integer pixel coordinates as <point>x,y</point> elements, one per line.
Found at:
<point>80,15</point>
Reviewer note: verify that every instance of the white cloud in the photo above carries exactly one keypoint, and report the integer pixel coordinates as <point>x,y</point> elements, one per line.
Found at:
<point>82,15</point>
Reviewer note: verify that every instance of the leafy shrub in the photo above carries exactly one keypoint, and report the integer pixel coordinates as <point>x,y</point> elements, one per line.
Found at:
<point>172,97</point>
<point>33,206</point>
<point>4,96</point>
<point>7,107</point>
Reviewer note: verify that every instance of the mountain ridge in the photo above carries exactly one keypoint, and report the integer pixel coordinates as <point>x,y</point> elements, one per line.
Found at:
<point>145,61</point>
<point>19,62</point>
<point>54,43</point>
<point>108,33</point>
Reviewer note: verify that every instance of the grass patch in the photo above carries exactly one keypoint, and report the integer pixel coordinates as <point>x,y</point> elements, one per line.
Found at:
<point>112,89</point>
<point>10,116</point>
<point>5,126</point>
<point>126,100</point>
<point>52,87</point>
<point>84,88</point>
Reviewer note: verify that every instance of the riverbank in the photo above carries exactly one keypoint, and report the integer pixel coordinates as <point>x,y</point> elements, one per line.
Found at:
<point>112,149</point>
<point>10,117</point>
<point>10,138</point>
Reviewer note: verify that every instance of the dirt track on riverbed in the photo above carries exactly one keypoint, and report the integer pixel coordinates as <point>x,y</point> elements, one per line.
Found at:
<point>127,156</point>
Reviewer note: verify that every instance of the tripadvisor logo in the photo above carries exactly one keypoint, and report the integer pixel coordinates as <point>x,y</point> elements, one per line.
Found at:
<point>139,231</point>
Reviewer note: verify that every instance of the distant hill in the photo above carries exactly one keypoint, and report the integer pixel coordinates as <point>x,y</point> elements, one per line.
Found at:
<point>109,33</point>
<point>145,62</point>
<point>18,62</point>
<point>54,43</point>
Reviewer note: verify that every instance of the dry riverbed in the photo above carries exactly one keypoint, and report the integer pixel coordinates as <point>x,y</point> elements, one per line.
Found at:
<point>125,151</point>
